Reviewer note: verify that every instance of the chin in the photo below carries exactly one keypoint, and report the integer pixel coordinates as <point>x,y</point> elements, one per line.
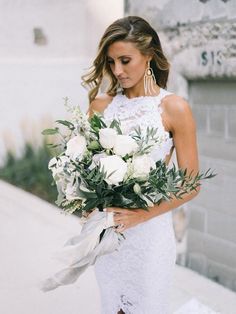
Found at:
<point>126,86</point>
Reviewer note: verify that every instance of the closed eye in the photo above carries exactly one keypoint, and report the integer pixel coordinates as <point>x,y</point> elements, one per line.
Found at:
<point>124,61</point>
<point>109,61</point>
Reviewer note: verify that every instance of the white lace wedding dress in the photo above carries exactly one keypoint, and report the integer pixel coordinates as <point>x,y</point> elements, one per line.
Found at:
<point>137,278</point>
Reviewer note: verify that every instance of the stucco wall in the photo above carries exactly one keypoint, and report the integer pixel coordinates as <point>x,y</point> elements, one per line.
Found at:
<point>199,39</point>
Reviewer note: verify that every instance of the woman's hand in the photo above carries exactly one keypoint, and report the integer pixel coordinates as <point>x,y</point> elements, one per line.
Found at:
<point>128,218</point>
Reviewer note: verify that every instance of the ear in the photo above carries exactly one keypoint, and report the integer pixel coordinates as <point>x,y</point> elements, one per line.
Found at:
<point>149,58</point>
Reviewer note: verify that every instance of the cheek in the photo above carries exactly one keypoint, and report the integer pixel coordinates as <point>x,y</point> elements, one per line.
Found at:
<point>138,68</point>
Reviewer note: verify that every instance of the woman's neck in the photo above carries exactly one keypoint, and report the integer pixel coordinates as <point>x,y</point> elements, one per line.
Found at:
<point>138,91</point>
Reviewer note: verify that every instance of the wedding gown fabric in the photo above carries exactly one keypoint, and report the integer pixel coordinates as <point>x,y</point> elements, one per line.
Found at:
<point>137,277</point>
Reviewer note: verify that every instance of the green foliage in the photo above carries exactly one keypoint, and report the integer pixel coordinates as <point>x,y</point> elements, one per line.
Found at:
<point>50,131</point>
<point>146,142</point>
<point>30,172</point>
<point>97,122</point>
<point>66,123</point>
<point>163,183</point>
<point>87,181</point>
<point>116,125</point>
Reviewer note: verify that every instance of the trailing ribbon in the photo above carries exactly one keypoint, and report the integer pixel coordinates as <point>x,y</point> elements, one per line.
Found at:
<point>82,251</point>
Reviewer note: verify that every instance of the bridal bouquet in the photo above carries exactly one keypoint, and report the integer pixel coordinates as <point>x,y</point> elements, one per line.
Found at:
<point>100,167</point>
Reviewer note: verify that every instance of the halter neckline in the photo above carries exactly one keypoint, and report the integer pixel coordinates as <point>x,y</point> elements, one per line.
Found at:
<point>141,97</point>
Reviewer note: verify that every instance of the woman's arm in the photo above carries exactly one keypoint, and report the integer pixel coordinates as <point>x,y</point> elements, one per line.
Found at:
<point>179,120</point>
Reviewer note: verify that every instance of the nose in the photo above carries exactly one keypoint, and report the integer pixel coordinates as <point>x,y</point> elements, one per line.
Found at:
<point>118,69</point>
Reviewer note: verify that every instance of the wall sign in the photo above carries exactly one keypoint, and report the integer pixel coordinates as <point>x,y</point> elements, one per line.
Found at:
<point>211,57</point>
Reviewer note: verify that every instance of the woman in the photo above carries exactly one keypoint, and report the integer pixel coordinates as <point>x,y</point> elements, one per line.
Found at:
<point>137,278</point>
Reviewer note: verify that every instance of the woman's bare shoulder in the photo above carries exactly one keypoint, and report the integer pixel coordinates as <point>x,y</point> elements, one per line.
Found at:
<point>100,103</point>
<point>175,104</point>
<point>177,111</point>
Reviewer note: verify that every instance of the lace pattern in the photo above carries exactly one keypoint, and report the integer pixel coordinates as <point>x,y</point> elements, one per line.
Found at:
<point>137,277</point>
<point>143,112</point>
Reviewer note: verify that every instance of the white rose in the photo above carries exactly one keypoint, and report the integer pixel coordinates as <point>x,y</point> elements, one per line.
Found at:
<point>107,137</point>
<point>142,166</point>
<point>96,159</point>
<point>76,147</point>
<point>124,144</point>
<point>115,165</point>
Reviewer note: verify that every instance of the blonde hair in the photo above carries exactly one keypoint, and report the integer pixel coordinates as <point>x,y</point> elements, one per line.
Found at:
<point>130,29</point>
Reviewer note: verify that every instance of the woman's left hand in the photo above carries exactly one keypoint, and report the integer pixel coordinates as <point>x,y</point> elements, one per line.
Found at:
<point>128,218</point>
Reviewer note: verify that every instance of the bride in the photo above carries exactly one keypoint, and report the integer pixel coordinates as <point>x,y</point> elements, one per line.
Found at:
<point>137,278</point>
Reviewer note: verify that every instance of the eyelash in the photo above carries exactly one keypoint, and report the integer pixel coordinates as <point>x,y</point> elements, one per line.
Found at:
<point>123,61</point>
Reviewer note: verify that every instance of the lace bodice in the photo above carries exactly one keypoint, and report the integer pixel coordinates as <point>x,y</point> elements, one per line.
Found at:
<point>137,277</point>
<point>144,111</point>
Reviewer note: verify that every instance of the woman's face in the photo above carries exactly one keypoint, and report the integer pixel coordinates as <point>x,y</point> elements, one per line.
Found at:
<point>127,63</point>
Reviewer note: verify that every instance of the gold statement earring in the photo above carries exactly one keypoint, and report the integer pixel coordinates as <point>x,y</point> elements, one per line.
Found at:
<point>149,80</point>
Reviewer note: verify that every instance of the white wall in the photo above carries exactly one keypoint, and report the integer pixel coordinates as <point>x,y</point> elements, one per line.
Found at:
<point>72,27</point>
<point>35,78</point>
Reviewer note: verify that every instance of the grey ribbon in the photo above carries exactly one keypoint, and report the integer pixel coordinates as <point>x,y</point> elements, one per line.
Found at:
<point>82,251</point>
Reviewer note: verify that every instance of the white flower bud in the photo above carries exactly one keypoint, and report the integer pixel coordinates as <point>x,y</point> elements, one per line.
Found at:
<point>137,188</point>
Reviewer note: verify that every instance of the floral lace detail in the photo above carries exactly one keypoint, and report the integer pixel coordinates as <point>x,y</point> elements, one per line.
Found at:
<point>144,111</point>
<point>137,277</point>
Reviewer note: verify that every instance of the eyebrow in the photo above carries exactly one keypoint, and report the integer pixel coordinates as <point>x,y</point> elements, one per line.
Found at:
<point>124,56</point>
